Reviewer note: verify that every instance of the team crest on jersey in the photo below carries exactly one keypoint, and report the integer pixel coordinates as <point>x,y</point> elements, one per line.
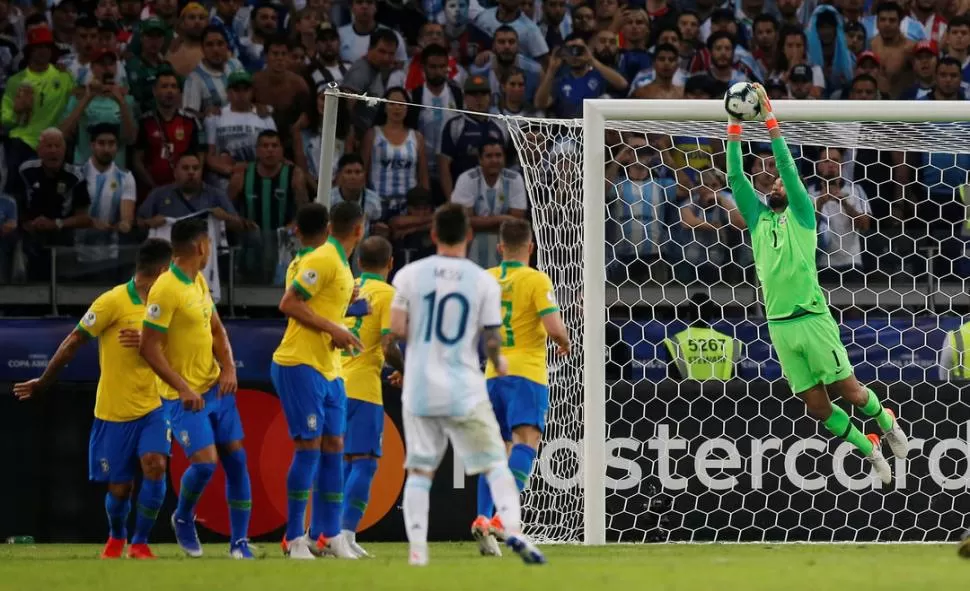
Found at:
<point>89,319</point>
<point>105,467</point>
<point>154,311</point>
<point>179,133</point>
<point>184,438</point>
<point>61,188</point>
<point>310,276</point>
<point>311,422</point>
<point>114,185</point>
<point>783,220</point>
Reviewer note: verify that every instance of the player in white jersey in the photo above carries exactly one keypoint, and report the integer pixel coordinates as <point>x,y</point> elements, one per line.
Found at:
<point>444,305</point>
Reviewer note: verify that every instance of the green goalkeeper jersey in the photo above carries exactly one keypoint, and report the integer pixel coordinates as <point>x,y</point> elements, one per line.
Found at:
<point>52,89</point>
<point>784,243</point>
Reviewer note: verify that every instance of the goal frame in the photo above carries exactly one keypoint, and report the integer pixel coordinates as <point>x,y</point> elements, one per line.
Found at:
<point>596,114</point>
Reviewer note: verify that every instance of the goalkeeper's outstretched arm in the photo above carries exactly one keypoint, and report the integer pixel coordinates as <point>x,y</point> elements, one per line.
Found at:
<point>744,194</point>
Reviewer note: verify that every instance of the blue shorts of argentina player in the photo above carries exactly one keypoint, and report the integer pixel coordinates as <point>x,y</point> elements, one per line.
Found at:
<point>216,424</point>
<point>518,401</point>
<point>114,448</point>
<point>365,428</point>
<point>314,406</point>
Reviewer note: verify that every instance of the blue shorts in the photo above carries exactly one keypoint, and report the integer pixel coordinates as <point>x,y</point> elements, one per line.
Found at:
<point>365,428</point>
<point>313,405</point>
<point>518,401</point>
<point>216,424</point>
<point>114,448</point>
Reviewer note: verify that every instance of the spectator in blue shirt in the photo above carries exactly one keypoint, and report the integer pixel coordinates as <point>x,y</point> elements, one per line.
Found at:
<point>508,12</point>
<point>497,64</point>
<point>586,77</point>
<point>8,235</point>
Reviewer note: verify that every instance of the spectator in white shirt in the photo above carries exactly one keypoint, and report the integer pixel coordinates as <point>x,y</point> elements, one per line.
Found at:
<point>232,131</point>
<point>355,37</point>
<point>492,194</point>
<point>844,212</point>
<point>508,12</point>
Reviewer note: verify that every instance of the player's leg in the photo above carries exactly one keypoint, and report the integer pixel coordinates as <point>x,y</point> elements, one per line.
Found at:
<point>302,403</point>
<point>228,430</point>
<point>193,431</point>
<point>111,451</point>
<point>481,529</point>
<point>153,450</point>
<point>362,448</point>
<point>426,441</point>
<point>328,495</point>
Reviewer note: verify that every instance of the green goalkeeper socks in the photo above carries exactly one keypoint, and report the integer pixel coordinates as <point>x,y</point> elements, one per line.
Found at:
<point>841,426</point>
<point>872,408</point>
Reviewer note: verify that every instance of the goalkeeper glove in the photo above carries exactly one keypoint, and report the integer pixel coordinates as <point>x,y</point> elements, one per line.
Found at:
<point>766,110</point>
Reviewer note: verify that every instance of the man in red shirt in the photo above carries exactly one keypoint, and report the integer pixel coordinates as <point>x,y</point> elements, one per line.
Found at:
<point>164,134</point>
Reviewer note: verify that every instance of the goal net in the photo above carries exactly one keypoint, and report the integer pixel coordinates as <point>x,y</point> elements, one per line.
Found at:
<point>637,228</point>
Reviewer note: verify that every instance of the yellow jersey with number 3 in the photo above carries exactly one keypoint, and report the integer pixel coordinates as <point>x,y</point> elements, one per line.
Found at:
<point>182,308</point>
<point>325,281</point>
<point>362,371</point>
<point>126,388</point>
<point>527,296</point>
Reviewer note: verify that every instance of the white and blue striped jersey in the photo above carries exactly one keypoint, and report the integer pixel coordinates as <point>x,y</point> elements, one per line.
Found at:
<point>393,167</point>
<point>449,302</point>
<point>432,121</point>
<point>353,45</point>
<point>473,191</point>
<point>911,28</point>
<point>107,190</point>
<point>82,72</point>
<point>205,88</point>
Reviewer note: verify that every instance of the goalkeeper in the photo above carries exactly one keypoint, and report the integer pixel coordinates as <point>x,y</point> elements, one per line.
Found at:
<point>803,332</point>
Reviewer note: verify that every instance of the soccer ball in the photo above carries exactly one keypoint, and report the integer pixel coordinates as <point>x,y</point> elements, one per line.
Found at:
<point>741,102</point>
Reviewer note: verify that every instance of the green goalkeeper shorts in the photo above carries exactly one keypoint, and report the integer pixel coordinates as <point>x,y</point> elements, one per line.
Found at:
<point>810,351</point>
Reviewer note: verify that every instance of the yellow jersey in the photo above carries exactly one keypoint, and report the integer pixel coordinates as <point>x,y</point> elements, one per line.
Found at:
<point>294,267</point>
<point>527,296</point>
<point>362,371</point>
<point>126,388</point>
<point>324,279</point>
<point>182,308</point>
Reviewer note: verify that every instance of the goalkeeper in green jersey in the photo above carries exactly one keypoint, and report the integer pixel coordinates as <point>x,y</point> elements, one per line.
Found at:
<point>803,332</point>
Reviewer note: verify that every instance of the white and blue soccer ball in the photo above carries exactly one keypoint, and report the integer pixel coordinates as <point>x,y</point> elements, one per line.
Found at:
<point>741,101</point>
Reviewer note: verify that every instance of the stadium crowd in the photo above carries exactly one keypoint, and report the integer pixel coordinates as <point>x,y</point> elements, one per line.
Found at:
<point>121,116</point>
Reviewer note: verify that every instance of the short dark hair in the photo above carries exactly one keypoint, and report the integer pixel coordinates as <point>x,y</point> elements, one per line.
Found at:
<point>214,29</point>
<point>39,18</point>
<point>692,13</point>
<point>152,254</point>
<point>889,7</point>
<point>270,133</point>
<point>961,20</point>
<point>344,216</point>
<point>348,159</point>
<point>574,36</point>
<point>672,28</point>
<point>187,154</point>
<point>101,128</point>
<point>949,61</point>
<point>277,41</point>
<point>375,253</point>
<point>433,50</point>
<point>863,78</point>
<point>85,21</point>
<point>451,224</point>
<point>764,17</point>
<point>505,29</point>
<point>312,220</point>
<point>168,73</point>
<point>668,48</point>
<point>264,6</point>
<point>515,233</point>
<point>186,232</point>
<point>382,35</point>
<point>715,37</point>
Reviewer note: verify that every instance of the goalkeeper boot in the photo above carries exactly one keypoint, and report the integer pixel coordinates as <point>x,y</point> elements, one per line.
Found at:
<point>878,460</point>
<point>497,528</point>
<point>525,549</point>
<point>964,549</point>
<point>896,438</point>
<point>113,549</point>
<point>481,531</point>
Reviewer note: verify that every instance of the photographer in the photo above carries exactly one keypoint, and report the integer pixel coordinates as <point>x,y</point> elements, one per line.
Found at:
<point>587,77</point>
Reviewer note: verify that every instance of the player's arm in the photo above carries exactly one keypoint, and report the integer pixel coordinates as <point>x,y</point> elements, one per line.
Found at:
<point>223,353</point>
<point>392,353</point>
<point>294,305</point>
<point>491,321</point>
<point>160,308</point>
<point>544,300</point>
<point>744,194</point>
<point>399,306</point>
<point>64,354</point>
<point>799,201</point>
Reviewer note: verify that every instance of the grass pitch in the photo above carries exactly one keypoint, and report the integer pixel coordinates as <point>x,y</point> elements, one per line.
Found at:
<point>457,567</point>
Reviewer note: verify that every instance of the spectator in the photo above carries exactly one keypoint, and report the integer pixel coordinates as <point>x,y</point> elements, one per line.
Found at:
<point>586,77</point>
<point>108,32</point>
<point>801,82</point>
<point>412,229</point>
<point>709,228</point>
<point>144,69</point>
<point>188,196</point>
<point>167,10</point>
<point>185,52</point>
<point>356,37</point>
<point>863,88</point>
<point>909,28</point>
<point>85,42</point>
<point>351,186</point>
<point>34,99</point>
<point>855,37</point>
<point>693,52</point>
<point>924,68</point>
<point>607,13</point>
<point>307,22</point>
<point>721,45</point>
<point>205,87</point>
<point>668,80</point>
<point>723,21</point>
<point>892,48</point>
<point>584,21</point>
<point>277,87</point>
<point>947,86</point>
<point>636,41</point>
<point>439,93</point>
<point>411,77</point>
<point>264,26</point>
<point>513,101</point>
<point>509,12</point>
<point>306,139</point>
<point>777,89</point>
<point>844,215</point>
<point>112,210</point>
<point>605,49</point>
<point>107,11</point>
<point>8,237</point>
<point>464,133</point>
<point>495,64</point>
<point>369,75</point>
<point>492,194</point>
<point>765,31</point>
<point>325,65</point>
<point>958,43</point>
<point>789,11</point>
<point>556,23</point>
<point>827,47</point>
<point>394,152</point>
<point>164,136</point>
<point>54,200</point>
<point>64,25</point>
<point>130,21</point>
<point>296,60</point>
<point>268,193</point>
<point>223,17</point>
<point>455,20</point>
<point>792,45</point>
<point>103,100</point>
<point>232,132</point>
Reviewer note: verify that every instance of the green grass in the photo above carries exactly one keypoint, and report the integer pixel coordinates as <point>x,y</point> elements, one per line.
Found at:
<point>458,567</point>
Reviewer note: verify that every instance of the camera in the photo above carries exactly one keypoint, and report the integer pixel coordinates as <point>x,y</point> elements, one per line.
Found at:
<point>575,50</point>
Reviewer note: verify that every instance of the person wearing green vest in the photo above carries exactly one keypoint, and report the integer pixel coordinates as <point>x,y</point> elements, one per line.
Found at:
<point>699,352</point>
<point>143,68</point>
<point>954,361</point>
<point>268,192</point>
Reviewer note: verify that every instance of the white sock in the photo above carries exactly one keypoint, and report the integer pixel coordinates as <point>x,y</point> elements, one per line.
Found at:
<point>505,495</point>
<point>417,492</point>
